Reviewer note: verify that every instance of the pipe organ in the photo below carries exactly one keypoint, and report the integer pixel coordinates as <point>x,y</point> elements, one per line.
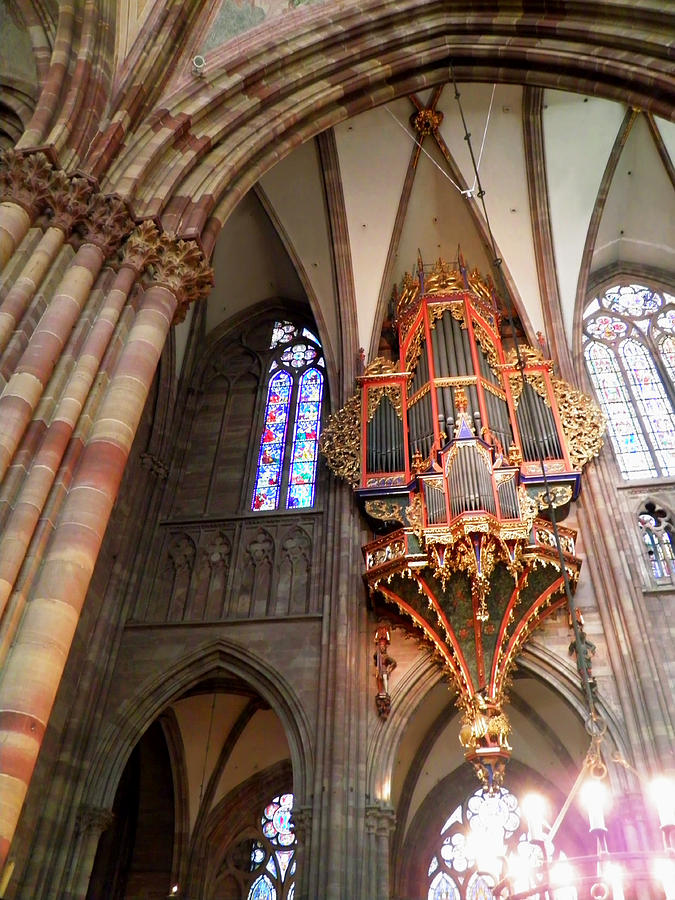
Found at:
<point>445,449</point>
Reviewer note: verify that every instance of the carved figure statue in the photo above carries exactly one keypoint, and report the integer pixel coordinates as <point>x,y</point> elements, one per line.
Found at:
<point>384,666</point>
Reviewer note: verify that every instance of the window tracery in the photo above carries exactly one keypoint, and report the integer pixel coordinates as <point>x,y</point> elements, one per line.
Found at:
<point>629,348</point>
<point>287,460</point>
<point>658,538</point>
<point>275,852</point>
<point>483,828</point>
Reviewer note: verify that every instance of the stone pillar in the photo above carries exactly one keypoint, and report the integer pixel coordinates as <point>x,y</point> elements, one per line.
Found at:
<point>38,656</point>
<point>69,201</point>
<point>107,224</point>
<point>302,819</point>
<point>380,823</point>
<point>92,821</point>
<point>140,249</point>
<point>24,184</point>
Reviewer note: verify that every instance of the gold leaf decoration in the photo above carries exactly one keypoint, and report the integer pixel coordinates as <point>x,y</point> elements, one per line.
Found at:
<point>392,391</point>
<point>385,510</point>
<point>583,422</point>
<point>340,441</point>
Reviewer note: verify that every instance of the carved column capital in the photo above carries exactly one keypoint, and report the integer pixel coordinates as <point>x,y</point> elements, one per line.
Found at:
<point>25,180</point>
<point>143,246</point>
<point>302,819</point>
<point>155,465</point>
<point>182,269</point>
<point>380,820</point>
<point>68,199</point>
<point>107,223</point>
<point>94,818</point>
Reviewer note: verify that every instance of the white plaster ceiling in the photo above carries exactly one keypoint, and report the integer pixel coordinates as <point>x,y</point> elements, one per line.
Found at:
<point>629,230</point>
<point>206,722</point>
<point>290,254</point>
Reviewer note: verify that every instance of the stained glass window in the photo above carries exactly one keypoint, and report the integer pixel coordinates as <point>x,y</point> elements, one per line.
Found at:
<point>629,347</point>
<point>276,850</point>
<point>474,841</point>
<point>287,466</point>
<point>658,536</point>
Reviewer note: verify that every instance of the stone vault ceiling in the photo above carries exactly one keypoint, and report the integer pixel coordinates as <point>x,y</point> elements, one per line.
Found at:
<point>606,174</point>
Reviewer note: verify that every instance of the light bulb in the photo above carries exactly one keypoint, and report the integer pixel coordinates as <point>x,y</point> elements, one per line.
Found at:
<point>664,870</point>
<point>614,876</point>
<point>534,807</point>
<point>562,878</point>
<point>662,791</point>
<point>594,796</point>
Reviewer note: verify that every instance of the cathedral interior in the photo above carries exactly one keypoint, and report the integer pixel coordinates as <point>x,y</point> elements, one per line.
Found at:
<point>337,449</point>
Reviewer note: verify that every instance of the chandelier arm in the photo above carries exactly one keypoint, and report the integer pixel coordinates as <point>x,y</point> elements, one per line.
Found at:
<point>497,262</point>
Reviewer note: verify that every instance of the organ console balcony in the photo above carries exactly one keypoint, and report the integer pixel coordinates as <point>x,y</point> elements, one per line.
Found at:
<point>451,451</point>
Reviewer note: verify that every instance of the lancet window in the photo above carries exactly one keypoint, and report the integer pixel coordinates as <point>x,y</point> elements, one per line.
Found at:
<point>289,442</point>
<point>629,347</point>
<point>273,855</point>
<point>658,539</point>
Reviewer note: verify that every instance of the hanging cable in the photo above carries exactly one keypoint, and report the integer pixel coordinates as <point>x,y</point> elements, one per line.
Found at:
<point>508,301</point>
<point>206,751</point>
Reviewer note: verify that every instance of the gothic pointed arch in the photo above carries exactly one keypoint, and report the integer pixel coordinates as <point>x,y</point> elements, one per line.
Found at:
<point>208,661</point>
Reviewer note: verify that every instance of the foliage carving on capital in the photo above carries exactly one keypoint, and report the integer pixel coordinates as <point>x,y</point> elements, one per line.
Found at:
<point>25,180</point>
<point>143,246</point>
<point>107,223</point>
<point>380,820</point>
<point>182,269</point>
<point>68,199</point>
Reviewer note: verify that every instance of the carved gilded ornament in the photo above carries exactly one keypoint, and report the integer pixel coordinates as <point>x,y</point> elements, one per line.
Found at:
<point>380,366</point>
<point>340,441</point>
<point>583,422</point>
<point>392,392</point>
<point>487,345</point>
<point>443,278</point>
<point>560,495</point>
<point>414,351</point>
<point>456,308</point>
<point>426,121</point>
<point>385,510</point>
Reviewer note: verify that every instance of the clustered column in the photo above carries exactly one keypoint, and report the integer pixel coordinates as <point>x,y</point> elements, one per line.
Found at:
<point>380,823</point>
<point>38,618</point>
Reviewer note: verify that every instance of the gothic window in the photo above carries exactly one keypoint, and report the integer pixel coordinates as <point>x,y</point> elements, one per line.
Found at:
<point>629,347</point>
<point>274,854</point>
<point>658,538</point>
<point>484,830</point>
<point>289,442</point>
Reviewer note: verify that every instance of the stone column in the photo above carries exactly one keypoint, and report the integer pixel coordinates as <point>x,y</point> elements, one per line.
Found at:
<point>302,819</point>
<point>69,201</point>
<point>380,822</point>
<point>38,656</point>
<point>92,821</point>
<point>24,183</point>
<point>140,249</point>
<point>107,224</point>
<point>370,854</point>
